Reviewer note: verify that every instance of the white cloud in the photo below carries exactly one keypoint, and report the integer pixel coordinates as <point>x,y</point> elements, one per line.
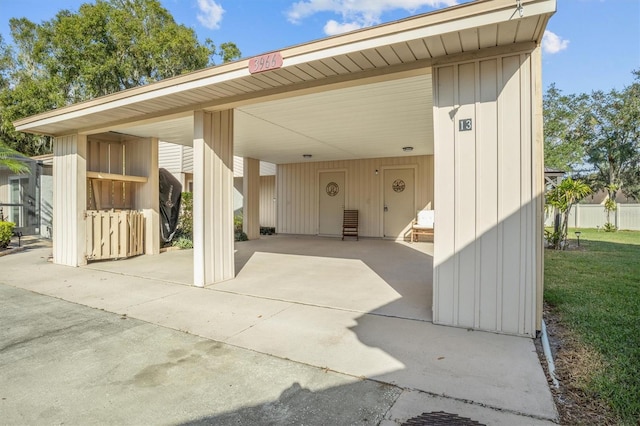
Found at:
<point>333,27</point>
<point>356,13</point>
<point>211,14</point>
<point>553,43</point>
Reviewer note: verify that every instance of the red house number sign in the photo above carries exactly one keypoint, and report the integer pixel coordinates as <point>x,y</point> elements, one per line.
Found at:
<point>266,62</point>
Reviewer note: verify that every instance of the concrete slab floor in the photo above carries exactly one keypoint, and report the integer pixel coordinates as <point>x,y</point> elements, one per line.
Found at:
<point>63,363</point>
<point>500,372</point>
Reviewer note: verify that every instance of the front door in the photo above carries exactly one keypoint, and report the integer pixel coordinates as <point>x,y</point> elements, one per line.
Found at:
<point>331,203</point>
<point>399,202</point>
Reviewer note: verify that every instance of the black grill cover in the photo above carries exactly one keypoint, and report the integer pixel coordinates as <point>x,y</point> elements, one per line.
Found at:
<point>170,194</point>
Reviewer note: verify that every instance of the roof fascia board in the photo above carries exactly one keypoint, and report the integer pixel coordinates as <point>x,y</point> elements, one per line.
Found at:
<point>425,30</point>
<point>440,22</point>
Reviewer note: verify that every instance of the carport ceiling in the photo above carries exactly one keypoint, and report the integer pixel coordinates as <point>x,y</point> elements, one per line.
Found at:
<point>363,121</point>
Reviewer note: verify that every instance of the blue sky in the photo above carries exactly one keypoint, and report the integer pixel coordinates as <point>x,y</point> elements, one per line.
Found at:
<point>590,44</point>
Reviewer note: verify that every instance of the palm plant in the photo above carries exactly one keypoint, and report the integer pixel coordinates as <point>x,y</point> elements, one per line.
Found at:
<point>10,159</point>
<point>563,197</point>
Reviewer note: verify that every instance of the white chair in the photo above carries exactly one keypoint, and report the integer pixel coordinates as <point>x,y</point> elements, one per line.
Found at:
<point>423,225</point>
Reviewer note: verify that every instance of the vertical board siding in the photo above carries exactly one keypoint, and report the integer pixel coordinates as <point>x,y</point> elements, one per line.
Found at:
<point>444,142</point>
<point>69,199</point>
<point>251,198</point>
<point>142,160</point>
<point>267,201</point>
<point>486,195</point>
<point>485,245</point>
<point>213,259</point>
<point>465,200</point>
<point>297,192</point>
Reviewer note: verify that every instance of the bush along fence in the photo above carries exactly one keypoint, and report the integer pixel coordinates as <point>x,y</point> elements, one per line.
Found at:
<point>625,216</point>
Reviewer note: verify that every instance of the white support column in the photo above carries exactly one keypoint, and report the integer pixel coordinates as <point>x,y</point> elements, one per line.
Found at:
<point>69,200</point>
<point>251,198</point>
<point>142,160</point>
<point>213,239</point>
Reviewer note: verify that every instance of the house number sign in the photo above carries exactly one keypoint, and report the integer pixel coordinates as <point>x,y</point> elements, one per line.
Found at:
<point>266,62</point>
<point>465,124</point>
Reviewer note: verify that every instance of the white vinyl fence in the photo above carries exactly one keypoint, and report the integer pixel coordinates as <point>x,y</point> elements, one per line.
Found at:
<point>626,216</point>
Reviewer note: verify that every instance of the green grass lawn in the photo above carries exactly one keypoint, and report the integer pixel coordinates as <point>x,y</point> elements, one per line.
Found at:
<point>596,291</point>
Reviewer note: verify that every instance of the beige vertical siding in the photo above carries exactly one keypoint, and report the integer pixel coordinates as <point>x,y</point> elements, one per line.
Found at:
<point>297,191</point>
<point>213,259</point>
<point>142,160</point>
<point>267,201</point>
<point>69,199</point>
<point>251,198</point>
<point>485,249</point>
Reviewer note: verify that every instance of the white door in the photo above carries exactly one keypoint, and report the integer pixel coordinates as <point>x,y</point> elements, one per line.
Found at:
<point>399,202</point>
<point>331,203</point>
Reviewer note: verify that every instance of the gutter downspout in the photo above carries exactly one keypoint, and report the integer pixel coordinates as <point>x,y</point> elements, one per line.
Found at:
<point>547,354</point>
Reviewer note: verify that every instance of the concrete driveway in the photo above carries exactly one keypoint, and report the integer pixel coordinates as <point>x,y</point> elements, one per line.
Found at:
<point>350,309</point>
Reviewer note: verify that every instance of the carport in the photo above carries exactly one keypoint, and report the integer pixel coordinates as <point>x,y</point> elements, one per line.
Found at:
<point>448,103</point>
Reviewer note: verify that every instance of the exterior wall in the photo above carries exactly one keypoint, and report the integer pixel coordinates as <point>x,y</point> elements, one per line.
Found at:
<point>170,157</point>
<point>26,217</point>
<point>267,201</point>
<point>4,192</point>
<point>486,187</point>
<point>187,159</point>
<point>251,198</point>
<point>297,192</point>
<point>142,160</point>
<point>46,202</point>
<point>213,236</point>
<point>178,160</point>
<point>41,191</point>
<point>69,199</point>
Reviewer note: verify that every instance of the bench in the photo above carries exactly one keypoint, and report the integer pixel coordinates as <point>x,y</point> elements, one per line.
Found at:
<point>423,224</point>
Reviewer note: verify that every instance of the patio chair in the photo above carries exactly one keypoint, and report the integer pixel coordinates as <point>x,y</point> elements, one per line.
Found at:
<point>423,224</point>
<point>350,224</point>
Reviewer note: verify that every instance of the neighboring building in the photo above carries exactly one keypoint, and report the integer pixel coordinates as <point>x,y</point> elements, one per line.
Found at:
<point>178,159</point>
<point>26,199</point>
<point>441,110</point>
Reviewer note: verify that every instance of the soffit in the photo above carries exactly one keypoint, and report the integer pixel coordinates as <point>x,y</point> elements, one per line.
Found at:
<point>268,104</point>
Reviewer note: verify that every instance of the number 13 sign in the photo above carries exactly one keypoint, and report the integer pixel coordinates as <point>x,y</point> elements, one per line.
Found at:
<point>266,62</point>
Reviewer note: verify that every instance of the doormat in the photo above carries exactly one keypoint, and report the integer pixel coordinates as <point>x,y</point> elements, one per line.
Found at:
<point>440,418</point>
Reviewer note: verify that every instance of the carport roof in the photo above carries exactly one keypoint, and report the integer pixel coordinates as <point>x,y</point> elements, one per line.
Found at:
<point>391,51</point>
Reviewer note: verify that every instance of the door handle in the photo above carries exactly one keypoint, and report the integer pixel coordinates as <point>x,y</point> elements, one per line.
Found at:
<point>386,209</point>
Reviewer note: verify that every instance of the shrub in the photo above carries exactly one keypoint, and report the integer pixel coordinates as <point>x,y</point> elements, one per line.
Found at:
<point>240,235</point>
<point>184,231</point>
<point>183,242</point>
<point>185,220</point>
<point>6,232</point>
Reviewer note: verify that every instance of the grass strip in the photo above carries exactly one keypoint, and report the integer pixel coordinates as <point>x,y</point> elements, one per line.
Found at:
<point>596,290</point>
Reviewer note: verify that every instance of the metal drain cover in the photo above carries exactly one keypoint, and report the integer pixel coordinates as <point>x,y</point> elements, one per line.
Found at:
<point>440,418</point>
